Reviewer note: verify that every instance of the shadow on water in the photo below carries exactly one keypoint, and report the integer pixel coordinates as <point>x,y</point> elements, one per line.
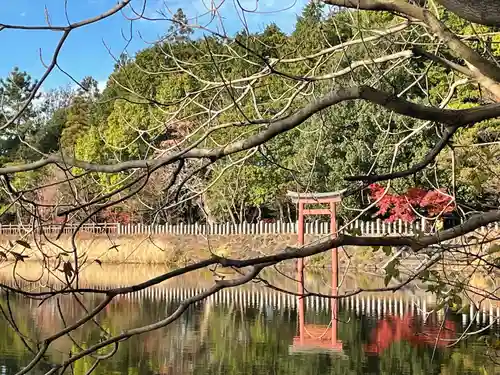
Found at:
<point>249,331</point>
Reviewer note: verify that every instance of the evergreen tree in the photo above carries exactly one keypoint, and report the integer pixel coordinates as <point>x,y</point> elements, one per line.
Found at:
<point>79,114</point>
<point>14,93</point>
<point>180,30</point>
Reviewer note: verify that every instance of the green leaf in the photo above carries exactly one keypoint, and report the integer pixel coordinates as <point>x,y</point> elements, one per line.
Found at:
<point>391,266</point>
<point>425,274</point>
<point>387,279</point>
<point>375,248</point>
<point>387,250</point>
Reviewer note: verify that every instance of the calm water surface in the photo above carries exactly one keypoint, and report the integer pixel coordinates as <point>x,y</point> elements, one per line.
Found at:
<point>244,337</point>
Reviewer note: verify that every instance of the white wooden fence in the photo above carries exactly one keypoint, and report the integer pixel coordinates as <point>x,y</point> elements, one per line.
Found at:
<point>263,227</point>
<point>363,228</point>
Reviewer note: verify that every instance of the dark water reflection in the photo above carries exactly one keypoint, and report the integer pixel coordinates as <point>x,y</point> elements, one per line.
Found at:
<point>213,338</point>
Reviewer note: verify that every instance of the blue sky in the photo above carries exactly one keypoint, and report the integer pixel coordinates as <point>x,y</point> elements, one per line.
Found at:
<point>85,53</point>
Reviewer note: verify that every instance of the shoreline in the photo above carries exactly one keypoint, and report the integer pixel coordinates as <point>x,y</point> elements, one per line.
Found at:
<point>170,250</point>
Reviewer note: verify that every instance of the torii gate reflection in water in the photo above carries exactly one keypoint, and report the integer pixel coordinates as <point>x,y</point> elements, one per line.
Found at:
<point>317,337</point>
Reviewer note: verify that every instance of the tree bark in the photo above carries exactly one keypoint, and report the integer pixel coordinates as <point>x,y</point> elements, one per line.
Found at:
<point>484,12</point>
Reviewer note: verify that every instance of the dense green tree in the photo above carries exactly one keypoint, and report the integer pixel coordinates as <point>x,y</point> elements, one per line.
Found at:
<point>15,90</point>
<point>80,114</point>
<point>142,111</point>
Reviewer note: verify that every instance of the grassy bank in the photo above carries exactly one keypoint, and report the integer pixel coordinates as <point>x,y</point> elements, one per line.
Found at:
<point>170,251</point>
<point>162,249</point>
<point>176,250</point>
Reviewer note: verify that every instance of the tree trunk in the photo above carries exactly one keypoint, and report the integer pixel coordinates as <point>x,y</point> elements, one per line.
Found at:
<point>205,210</point>
<point>231,213</point>
<point>259,216</point>
<point>289,213</point>
<point>280,208</point>
<point>242,216</point>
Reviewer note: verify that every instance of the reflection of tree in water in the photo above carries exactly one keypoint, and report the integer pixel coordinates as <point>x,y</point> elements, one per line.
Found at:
<point>411,329</point>
<point>13,353</point>
<point>406,345</point>
<point>405,338</point>
<point>230,339</point>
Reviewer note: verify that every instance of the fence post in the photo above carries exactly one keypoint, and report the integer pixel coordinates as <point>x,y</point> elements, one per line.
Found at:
<point>118,229</point>
<point>423,225</point>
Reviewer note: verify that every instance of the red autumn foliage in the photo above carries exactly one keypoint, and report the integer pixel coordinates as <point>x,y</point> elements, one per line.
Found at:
<point>403,207</point>
<point>116,216</point>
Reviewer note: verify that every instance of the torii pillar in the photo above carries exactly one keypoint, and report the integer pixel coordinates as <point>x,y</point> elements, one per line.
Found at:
<point>302,199</point>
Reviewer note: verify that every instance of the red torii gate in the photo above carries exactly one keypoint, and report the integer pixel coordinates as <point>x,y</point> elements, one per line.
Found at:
<point>316,339</point>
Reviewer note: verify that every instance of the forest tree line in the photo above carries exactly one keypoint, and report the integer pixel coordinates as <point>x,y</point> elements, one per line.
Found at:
<point>138,115</point>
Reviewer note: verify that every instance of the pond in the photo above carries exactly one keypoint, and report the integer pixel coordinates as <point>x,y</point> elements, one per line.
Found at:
<point>253,330</point>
